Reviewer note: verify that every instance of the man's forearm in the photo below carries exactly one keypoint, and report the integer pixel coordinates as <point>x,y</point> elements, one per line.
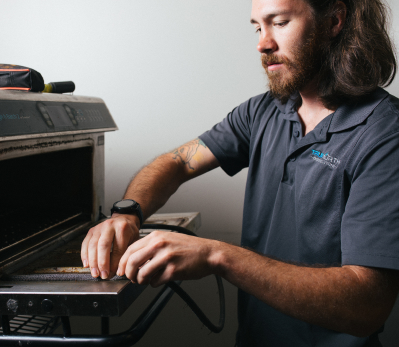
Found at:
<point>155,183</point>
<point>351,299</point>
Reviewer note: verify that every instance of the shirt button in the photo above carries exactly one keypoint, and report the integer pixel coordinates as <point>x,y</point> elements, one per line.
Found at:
<point>296,133</point>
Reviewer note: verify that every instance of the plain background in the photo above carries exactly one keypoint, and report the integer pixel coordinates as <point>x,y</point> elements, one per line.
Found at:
<point>168,70</point>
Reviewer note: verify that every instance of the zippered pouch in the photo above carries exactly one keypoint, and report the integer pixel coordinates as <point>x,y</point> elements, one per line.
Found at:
<point>20,78</point>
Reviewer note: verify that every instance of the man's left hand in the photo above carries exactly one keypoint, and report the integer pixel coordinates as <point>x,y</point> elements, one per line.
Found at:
<point>163,256</point>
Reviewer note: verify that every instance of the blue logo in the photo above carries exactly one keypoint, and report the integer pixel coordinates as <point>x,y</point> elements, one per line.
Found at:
<point>9,116</point>
<point>325,158</point>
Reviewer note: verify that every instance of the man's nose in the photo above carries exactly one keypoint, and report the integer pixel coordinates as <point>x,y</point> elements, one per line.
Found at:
<point>266,44</point>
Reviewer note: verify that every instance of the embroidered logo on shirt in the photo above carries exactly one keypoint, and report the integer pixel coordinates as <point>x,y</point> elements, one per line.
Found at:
<point>325,158</point>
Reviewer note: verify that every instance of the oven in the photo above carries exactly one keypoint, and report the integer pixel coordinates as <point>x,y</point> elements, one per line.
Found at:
<point>52,193</point>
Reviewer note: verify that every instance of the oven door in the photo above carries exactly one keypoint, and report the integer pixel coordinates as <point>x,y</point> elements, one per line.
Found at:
<point>56,284</point>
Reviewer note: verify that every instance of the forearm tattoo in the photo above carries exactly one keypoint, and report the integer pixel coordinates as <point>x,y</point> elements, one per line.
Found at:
<point>186,152</point>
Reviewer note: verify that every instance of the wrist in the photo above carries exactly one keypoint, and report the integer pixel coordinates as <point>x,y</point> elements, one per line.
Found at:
<point>217,257</point>
<point>128,207</point>
<point>132,219</point>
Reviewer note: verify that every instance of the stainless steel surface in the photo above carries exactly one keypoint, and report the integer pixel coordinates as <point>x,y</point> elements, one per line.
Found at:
<point>64,287</point>
<point>61,133</point>
<point>24,96</point>
<point>58,298</point>
<point>188,220</point>
<point>52,173</point>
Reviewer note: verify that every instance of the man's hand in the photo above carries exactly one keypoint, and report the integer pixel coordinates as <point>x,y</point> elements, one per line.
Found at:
<point>165,256</point>
<point>105,244</point>
<point>151,187</point>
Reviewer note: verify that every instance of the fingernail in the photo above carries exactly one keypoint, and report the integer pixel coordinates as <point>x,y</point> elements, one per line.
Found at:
<point>119,273</point>
<point>104,274</point>
<point>94,272</point>
<point>85,263</point>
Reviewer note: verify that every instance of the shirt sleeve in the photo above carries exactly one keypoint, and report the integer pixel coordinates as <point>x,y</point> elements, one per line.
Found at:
<point>229,140</point>
<point>370,223</point>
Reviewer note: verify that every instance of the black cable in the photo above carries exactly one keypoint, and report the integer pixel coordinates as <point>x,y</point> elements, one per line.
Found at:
<point>180,291</point>
<point>198,312</point>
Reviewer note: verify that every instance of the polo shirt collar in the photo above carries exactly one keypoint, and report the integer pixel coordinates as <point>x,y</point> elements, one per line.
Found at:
<point>288,110</point>
<point>354,113</point>
<point>346,116</point>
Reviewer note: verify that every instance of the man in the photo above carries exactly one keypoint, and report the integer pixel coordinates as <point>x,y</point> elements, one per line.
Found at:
<point>320,254</point>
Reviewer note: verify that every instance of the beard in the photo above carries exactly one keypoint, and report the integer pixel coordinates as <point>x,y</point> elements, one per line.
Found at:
<point>302,68</point>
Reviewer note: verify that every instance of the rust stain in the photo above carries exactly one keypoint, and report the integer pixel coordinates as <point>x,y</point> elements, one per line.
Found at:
<point>73,251</point>
<point>58,270</point>
<point>41,145</point>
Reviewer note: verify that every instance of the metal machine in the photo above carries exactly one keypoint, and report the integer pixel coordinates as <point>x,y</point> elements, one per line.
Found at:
<point>52,192</point>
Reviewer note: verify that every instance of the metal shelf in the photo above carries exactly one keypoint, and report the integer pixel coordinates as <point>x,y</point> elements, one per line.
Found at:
<point>36,325</point>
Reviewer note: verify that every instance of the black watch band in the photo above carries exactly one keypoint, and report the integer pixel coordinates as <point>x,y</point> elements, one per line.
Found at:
<point>128,206</point>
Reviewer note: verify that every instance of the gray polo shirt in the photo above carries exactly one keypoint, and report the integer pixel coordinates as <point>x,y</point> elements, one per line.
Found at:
<point>328,198</point>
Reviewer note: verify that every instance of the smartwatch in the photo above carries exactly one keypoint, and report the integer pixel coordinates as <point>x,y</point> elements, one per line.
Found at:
<point>128,207</point>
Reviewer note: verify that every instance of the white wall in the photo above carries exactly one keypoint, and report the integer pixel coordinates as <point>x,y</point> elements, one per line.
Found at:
<point>168,71</point>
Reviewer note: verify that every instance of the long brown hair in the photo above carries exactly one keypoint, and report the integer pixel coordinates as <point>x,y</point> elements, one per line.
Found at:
<point>361,57</point>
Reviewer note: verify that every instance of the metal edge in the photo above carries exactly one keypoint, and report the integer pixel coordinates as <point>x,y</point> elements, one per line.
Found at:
<point>14,95</point>
<point>112,304</point>
<point>55,134</point>
<point>192,223</point>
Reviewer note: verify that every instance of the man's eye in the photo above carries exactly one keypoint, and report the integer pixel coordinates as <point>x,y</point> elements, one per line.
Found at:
<point>281,24</point>
<point>257,30</point>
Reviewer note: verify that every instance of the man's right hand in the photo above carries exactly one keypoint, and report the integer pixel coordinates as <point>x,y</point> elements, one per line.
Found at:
<point>105,244</point>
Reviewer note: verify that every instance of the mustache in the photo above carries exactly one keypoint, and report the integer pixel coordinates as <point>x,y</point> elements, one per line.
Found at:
<point>268,59</point>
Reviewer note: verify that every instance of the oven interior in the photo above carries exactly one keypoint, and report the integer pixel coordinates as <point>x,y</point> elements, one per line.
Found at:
<point>43,190</point>
<point>45,194</point>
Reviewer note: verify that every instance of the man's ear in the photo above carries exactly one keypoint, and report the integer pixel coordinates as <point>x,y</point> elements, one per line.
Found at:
<point>337,21</point>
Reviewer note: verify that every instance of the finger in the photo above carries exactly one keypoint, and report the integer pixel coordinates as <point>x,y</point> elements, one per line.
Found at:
<point>122,240</point>
<point>84,248</point>
<point>163,276</point>
<point>133,248</point>
<point>132,259</point>
<point>157,272</point>
<point>136,261</point>
<point>92,251</point>
<point>104,246</point>
<point>158,266</point>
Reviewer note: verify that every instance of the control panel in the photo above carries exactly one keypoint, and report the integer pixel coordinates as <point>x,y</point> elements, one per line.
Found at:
<point>28,117</point>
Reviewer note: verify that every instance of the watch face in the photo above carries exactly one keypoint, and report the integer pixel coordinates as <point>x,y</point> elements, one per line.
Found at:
<point>128,206</point>
<point>124,203</point>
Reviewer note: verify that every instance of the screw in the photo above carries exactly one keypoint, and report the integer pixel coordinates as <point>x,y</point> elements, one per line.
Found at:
<point>12,305</point>
<point>95,304</point>
<point>30,303</point>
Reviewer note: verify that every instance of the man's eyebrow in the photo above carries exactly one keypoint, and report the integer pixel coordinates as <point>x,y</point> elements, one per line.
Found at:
<point>270,16</point>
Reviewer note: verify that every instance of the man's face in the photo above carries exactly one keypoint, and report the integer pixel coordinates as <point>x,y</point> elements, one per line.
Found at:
<point>290,42</point>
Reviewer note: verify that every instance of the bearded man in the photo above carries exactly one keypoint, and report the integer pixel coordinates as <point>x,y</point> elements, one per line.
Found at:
<point>319,259</point>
